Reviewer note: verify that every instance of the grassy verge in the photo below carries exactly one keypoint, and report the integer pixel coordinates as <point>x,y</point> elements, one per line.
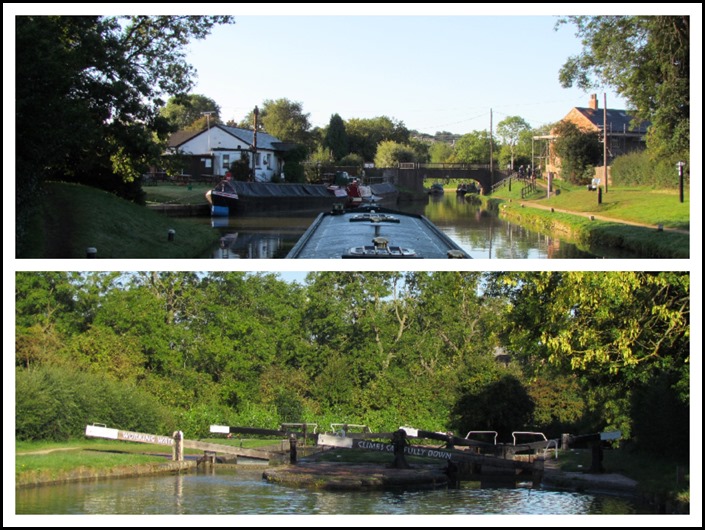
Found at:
<point>77,217</point>
<point>630,205</point>
<point>41,462</point>
<point>173,194</point>
<point>638,205</point>
<point>661,478</point>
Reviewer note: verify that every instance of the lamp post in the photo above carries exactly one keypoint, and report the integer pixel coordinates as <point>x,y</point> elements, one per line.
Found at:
<point>680,165</point>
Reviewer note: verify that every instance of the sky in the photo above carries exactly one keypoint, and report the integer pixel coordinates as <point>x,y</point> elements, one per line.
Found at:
<point>457,73</point>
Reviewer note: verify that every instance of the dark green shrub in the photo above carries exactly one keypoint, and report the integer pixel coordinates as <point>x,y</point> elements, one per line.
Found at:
<point>54,403</point>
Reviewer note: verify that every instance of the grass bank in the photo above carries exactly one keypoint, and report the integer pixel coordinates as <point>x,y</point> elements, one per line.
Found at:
<point>75,217</point>
<point>627,218</point>
<point>661,480</point>
<point>39,463</point>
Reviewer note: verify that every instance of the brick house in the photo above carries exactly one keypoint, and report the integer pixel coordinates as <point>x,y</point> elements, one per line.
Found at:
<point>624,133</point>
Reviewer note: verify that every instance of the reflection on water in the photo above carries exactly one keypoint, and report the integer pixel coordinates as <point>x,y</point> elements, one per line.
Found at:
<point>245,492</point>
<point>478,231</point>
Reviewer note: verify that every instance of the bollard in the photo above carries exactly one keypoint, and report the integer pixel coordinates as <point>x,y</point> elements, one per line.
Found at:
<point>91,252</point>
<point>170,234</point>
<point>178,454</point>
<point>565,441</point>
<point>292,448</point>
<point>399,441</point>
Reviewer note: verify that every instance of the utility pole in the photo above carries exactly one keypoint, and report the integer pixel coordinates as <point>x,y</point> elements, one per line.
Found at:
<point>207,114</point>
<point>491,172</point>
<point>604,137</point>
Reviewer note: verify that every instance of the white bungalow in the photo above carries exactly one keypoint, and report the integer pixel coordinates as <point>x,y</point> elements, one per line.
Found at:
<point>214,149</point>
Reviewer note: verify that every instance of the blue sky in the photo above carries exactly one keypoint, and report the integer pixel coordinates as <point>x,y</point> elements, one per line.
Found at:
<point>434,73</point>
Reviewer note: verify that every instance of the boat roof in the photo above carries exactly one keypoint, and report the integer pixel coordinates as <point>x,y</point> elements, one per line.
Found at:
<point>374,232</point>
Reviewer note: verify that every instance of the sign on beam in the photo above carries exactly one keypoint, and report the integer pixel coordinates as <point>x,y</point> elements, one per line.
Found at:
<point>221,429</point>
<point>611,435</point>
<point>96,431</point>
<point>356,443</point>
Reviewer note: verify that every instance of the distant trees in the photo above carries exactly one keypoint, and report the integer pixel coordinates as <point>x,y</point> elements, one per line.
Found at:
<point>336,138</point>
<point>510,130</point>
<point>286,121</point>
<point>440,152</point>
<point>187,112</point>
<point>474,148</point>
<point>364,135</point>
<point>390,154</point>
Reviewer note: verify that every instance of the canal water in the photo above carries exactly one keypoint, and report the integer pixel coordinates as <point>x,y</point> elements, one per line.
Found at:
<point>245,492</point>
<point>478,231</point>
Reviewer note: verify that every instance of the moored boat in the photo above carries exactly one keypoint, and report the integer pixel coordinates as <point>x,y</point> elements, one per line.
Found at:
<point>372,231</point>
<point>436,189</point>
<point>237,197</point>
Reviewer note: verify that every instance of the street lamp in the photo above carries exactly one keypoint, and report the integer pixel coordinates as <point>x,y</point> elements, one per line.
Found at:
<point>680,165</point>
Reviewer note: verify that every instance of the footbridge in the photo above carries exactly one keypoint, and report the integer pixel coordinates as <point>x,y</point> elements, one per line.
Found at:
<point>416,177</point>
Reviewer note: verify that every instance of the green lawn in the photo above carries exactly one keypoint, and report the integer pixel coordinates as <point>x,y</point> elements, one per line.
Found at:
<point>76,217</point>
<point>657,475</point>
<point>173,194</point>
<point>639,205</point>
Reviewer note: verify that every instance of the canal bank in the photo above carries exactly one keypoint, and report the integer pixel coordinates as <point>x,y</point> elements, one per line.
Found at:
<point>589,231</point>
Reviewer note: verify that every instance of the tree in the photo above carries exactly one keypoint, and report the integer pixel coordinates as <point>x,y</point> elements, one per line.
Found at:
<point>617,332</point>
<point>509,130</point>
<point>336,138</point>
<point>365,134</point>
<point>88,94</point>
<point>285,120</point>
<point>647,60</point>
<point>390,154</point>
<point>474,148</point>
<point>440,152</point>
<point>579,151</point>
<point>187,112</point>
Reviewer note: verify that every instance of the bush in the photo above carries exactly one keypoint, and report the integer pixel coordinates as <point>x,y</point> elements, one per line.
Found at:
<point>56,404</point>
<point>639,169</point>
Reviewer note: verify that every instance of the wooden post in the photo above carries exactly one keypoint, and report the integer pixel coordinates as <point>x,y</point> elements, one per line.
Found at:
<point>537,473</point>
<point>597,455</point>
<point>292,448</point>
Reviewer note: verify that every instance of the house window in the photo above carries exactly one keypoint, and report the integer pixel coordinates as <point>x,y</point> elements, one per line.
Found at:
<point>265,159</point>
<point>226,161</point>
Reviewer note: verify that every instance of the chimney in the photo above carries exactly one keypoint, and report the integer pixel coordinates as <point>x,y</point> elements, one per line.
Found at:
<point>593,102</point>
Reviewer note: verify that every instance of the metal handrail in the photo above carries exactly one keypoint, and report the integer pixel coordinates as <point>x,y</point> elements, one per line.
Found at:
<point>467,436</point>
<point>364,428</point>
<point>548,446</point>
<point>527,432</point>
<point>315,425</point>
